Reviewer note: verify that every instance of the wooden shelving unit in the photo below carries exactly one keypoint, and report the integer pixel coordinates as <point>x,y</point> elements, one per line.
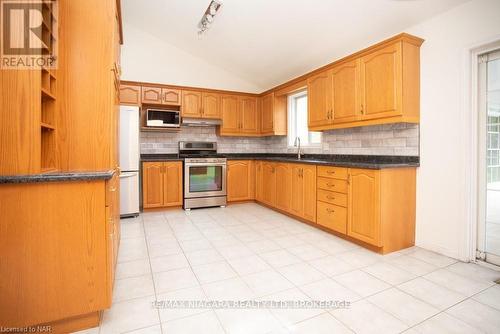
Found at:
<point>48,93</point>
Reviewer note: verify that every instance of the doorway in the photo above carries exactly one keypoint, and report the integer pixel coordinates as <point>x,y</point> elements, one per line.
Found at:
<point>488,234</point>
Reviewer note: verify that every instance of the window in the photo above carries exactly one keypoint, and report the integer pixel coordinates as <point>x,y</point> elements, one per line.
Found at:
<point>297,122</point>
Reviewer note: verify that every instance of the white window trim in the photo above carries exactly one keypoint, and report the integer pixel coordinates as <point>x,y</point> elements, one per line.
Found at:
<point>292,124</point>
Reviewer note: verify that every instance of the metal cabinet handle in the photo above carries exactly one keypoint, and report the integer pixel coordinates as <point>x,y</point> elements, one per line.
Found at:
<point>330,185</point>
<point>362,109</point>
<point>330,197</point>
<point>331,172</point>
<point>330,211</point>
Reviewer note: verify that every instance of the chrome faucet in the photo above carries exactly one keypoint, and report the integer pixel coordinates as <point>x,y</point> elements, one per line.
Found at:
<point>299,150</point>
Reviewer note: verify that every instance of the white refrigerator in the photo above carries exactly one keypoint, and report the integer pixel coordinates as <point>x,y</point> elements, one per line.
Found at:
<point>129,161</point>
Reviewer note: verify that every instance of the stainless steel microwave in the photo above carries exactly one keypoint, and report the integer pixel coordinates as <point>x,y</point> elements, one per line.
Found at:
<point>163,118</point>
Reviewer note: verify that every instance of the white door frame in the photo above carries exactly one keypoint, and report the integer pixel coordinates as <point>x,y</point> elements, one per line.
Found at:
<point>472,155</point>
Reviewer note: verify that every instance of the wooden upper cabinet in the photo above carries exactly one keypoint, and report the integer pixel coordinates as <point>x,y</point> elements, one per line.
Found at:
<point>172,183</point>
<point>191,103</point>
<point>249,118</point>
<point>240,180</point>
<point>345,96</point>
<point>267,113</point>
<point>152,95</point>
<point>364,206</point>
<point>284,186</point>
<point>230,114</point>
<point>130,95</point>
<point>381,83</point>
<point>210,105</point>
<point>152,184</point>
<point>171,96</point>
<point>319,100</point>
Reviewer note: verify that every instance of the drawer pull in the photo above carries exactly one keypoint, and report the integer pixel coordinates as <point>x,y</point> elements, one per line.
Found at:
<point>331,172</point>
<point>330,211</point>
<point>330,184</point>
<point>330,197</point>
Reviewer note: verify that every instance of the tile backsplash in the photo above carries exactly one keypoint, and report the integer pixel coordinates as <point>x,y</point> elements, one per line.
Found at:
<point>386,139</point>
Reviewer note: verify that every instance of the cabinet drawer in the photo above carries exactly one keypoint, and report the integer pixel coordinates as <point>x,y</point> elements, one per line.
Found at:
<point>332,216</point>
<point>332,197</point>
<point>332,172</point>
<point>332,184</point>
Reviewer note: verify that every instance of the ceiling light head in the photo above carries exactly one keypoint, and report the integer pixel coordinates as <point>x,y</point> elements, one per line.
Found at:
<point>209,15</point>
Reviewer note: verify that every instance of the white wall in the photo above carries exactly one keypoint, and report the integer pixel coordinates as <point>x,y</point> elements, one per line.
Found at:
<point>148,59</point>
<point>442,197</point>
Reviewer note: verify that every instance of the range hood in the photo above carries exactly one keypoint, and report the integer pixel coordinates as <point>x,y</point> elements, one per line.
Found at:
<point>188,121</point>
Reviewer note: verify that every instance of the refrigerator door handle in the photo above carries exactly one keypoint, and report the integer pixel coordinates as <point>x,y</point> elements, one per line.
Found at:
<point>127,175</point>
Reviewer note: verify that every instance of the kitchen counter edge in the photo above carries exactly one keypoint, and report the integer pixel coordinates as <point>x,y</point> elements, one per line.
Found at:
<point>58,177</point>
<point>325,162</point>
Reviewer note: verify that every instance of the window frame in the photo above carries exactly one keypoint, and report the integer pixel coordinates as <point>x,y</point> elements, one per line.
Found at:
<point>292,124</point>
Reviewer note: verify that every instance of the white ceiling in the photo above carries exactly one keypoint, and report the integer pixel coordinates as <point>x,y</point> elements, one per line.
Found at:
<point>268,42</point>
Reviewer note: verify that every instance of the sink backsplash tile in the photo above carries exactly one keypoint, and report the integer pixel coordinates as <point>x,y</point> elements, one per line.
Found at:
<point>387,139</point>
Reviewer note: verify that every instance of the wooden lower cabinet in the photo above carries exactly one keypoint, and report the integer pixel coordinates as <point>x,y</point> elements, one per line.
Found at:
<point>161,184</point>
<point>303,191</point>
<point>259,181</point>
<point>59,245</point>
<point>364,206</point>
<point>284,186</point>
<point>376,207</point>
<point>240,180</point>
<point>269,183</point>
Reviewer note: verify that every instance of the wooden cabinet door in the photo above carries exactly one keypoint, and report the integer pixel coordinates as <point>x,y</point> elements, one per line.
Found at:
<point>269,183</point>
<point>345,97</point>
<point>171,96</point>
<point>319,100</point>
<point>240,180</point>
<point>151,95</point>
<point>283,186</point>
<point>381,83</point>
<point>258,181</point>
<point>297,191</point>
<point>172,183</point>
<point>230,114</point>
<point>249,115</point>
<point>267,113</point>
<point>130,95</point>
<point>309,180</point>
<point>210,105</point>
<point>191,103</point>
<point>364,205</point>
<point>152,184</point>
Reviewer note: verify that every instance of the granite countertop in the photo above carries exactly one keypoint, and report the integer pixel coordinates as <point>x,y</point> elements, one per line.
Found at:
<point>58,177</point>
<point>355,161</point>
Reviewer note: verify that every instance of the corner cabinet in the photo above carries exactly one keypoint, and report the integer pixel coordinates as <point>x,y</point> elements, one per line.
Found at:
<point>274,115</point>
<point>161,184</point>
<point>240,180</point>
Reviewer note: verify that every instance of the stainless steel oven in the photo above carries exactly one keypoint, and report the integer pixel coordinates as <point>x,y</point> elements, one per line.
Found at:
<point>204,177</point>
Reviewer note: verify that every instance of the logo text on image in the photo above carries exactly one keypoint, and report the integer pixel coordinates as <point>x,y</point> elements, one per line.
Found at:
<point>28,34</point>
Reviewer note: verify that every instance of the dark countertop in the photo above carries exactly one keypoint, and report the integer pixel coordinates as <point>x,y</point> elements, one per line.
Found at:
<point>355,161</point>
<point>58,177</point>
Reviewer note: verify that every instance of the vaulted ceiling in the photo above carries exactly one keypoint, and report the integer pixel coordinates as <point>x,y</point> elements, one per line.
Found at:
<point>268,42</point>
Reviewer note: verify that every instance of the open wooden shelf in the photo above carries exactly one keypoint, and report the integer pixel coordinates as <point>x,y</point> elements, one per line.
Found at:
<point>47,95</point>
<point>159,129</point>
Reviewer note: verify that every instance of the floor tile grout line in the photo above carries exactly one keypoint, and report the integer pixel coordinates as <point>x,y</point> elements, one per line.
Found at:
<point>199,283</point>
<point>152,277</point>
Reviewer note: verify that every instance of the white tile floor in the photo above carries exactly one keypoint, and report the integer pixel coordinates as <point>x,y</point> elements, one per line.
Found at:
<point>250,252</point>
